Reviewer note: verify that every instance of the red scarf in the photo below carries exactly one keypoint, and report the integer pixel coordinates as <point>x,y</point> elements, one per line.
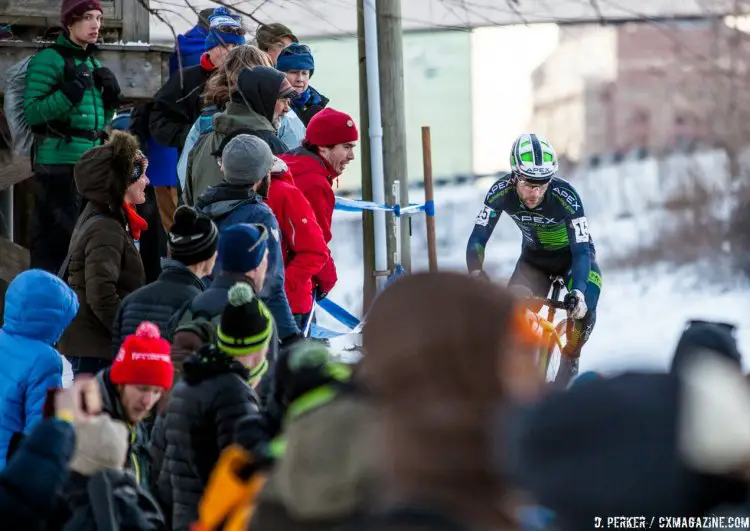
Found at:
<point>206,63</point>
<point>136,223</point>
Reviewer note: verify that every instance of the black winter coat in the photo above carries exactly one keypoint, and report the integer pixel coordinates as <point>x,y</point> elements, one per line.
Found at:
<point>156,302</point>
<point>210,304</point>
<point>203,411</point>
<point>111,500</point>
<point>177,105</point>
<point>33,477</point>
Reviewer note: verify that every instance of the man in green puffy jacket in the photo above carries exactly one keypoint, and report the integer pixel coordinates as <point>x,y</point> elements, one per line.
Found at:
<point>68,101</point>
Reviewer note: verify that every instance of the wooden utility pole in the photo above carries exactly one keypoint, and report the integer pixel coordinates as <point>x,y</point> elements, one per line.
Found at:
<point>393,109</point>
<point>429,198</point>
<point>368,227</point>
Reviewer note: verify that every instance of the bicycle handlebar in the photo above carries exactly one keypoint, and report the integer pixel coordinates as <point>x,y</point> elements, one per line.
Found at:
<point>559,305</point>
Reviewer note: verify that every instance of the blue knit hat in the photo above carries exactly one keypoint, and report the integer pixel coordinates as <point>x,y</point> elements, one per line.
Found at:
<point>242,247</point>
<point>224,28</point>
<point>296,57</point>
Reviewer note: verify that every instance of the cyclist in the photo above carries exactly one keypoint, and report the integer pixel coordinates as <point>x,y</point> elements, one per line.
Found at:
<point>556,239</point>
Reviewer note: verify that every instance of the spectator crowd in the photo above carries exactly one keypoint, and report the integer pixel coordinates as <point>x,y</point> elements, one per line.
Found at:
<point>179,249</point>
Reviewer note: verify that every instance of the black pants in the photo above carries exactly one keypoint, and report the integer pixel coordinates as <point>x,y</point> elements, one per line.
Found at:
<point>57,205</point>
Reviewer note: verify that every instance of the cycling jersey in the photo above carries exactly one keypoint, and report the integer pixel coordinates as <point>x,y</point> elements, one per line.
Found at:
<point>555,233</point>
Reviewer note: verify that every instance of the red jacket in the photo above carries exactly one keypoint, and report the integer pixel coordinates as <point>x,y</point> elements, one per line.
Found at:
<point>314,177</point>
<point>302,244</point>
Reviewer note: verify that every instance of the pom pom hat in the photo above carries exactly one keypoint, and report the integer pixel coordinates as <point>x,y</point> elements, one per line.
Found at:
<point>144,359</point>
<point>246,324</point>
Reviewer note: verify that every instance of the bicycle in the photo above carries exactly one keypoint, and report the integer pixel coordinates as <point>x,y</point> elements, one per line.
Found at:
<point>552,334</point>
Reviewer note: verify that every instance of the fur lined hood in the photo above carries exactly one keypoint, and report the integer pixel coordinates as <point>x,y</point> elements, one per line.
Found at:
<point>103,172</point>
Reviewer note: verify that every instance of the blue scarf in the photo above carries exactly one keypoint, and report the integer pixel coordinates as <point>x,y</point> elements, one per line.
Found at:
<point>308,97</point>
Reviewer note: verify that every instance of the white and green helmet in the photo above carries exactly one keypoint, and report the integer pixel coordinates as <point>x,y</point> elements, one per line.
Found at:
<point>533,158</point>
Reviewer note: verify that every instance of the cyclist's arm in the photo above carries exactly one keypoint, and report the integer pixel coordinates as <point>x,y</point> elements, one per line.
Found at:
<point>483,227</point>
<point>580,247</point>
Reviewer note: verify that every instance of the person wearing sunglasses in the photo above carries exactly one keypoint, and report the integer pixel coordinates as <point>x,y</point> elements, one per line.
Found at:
<point>556,239</point>
<point>179,103</point>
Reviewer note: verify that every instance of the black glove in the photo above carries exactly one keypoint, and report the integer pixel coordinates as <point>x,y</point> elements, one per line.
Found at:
<point>77,87</point>
<point>106,81</point>
<point>252,433</point>
<point>320,295</point>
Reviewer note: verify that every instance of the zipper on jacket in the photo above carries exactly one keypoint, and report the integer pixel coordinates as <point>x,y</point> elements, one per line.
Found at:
<point>133,455</point>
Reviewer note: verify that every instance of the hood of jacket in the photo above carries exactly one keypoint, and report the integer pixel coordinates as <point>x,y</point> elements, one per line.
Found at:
<point>240,116</point>
<point>39,306</point>
<point>334,484</point>
<point>259,89</point>
<point>220,200</point>
<point>190,47</point>
<point>110,399</point>
<point>210,362</point>
<point>103,172</point>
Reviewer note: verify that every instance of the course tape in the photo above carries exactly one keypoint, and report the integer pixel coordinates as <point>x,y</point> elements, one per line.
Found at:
<point>338,313</point>
<point>358,205</point>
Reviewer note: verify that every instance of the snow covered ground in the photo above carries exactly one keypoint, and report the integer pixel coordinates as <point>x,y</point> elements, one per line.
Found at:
<point>641,311</point>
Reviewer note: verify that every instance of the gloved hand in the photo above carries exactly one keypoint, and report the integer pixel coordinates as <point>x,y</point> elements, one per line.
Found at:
<point>77,87</point>
<point>320,294</point>
<point>575,303</point>
<point>106,81</point>
<point>481,274</point>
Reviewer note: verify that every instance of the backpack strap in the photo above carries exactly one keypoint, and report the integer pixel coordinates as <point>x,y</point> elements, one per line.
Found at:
<point>102,500</point>
<point>62,128</point>
<point>62,272</point>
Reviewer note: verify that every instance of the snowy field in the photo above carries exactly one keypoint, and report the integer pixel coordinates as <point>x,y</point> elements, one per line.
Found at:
<point>641,311</point>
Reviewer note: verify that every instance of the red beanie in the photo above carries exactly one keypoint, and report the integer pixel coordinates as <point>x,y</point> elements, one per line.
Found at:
<point>144,359</point>
<point>76,8</point>
<point>330,127</point>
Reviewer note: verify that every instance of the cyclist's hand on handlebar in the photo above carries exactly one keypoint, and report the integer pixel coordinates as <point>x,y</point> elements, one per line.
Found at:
<point>575,303</point>
<point>481,274</point>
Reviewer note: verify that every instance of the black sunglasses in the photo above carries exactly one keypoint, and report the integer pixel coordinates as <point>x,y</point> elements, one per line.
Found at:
<point>233,30</point>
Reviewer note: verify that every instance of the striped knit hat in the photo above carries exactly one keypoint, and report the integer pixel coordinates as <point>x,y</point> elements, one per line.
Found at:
<point>246,324</point>
<point>193,238</point>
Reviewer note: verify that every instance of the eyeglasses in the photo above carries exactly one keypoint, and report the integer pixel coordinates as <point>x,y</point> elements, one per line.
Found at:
<point>227,28</point>
<point>531,185</point>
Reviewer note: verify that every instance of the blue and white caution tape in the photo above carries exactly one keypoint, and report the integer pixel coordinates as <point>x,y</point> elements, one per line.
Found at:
<point>338,313</point>
<point>358,205</point>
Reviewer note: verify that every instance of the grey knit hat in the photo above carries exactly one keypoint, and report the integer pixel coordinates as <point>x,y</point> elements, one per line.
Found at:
<point>246,159</point>
<point>101,444</point>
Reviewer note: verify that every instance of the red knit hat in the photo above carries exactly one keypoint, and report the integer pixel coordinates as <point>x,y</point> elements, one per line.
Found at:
<point>330,127</point>
<point>144,359</point>
<point>76,8</point>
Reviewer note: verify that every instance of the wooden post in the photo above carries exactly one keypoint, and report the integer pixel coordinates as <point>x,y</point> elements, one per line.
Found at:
<point>429,199</point>
<point>391,66</point>
<point>369,286</point>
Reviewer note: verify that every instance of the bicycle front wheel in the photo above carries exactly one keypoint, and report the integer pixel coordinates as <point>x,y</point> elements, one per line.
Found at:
<point>554,353</point>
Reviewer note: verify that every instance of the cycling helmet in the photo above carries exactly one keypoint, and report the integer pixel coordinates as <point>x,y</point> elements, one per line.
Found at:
<point>533,158</point>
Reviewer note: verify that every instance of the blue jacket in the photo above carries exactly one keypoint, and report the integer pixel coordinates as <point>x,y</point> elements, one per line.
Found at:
<point>191,46</point>
<point>38,308</point>
<point>228,205</point>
